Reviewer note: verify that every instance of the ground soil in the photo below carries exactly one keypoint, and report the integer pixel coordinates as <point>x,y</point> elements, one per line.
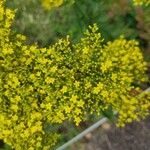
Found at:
<point>135,136</point>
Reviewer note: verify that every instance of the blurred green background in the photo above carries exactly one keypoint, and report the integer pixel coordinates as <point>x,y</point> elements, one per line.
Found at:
<point>114,17</point>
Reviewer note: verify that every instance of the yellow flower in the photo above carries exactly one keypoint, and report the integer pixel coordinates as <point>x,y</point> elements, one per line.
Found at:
<point>15,118</point>
<point>49,80</point>
<point>49,4</point>
<point>74,98</point>
<point>68,109</point>
<point>77,120</point>
<point>88,85</point>
<point>106,65</point>
<point>86,50</point>
<point>64,89</point>
<point>77,111</point>
<point>14,108</point>
<point>17,98</point>
<point>80,103</point>
<point>77,84</point>
<point>53,69</point>
<point>98,88</point>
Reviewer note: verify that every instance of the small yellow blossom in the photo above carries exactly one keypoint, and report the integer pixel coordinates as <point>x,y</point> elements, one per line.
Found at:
<point>53,69</point>
<point>68,109</point>
<point>74,98</point>
<point>77,120</point>
<point>105,66</point>
<point>77,84</point>
<point>64,89</point>
<point>49,80</point>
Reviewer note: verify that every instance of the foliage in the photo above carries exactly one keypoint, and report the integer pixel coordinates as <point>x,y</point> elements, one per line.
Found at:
<point>47,86</point>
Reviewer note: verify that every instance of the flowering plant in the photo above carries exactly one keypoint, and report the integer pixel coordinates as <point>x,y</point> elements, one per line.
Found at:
<point>47,86</point>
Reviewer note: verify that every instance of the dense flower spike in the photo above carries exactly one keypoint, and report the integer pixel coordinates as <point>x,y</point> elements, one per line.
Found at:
<point>47,86</point>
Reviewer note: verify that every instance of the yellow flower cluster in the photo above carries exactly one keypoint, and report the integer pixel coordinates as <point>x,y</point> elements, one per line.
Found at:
<point>141,2</point>
<point>128,112</point>
<point>49,4</point>
<point>42,87</point>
